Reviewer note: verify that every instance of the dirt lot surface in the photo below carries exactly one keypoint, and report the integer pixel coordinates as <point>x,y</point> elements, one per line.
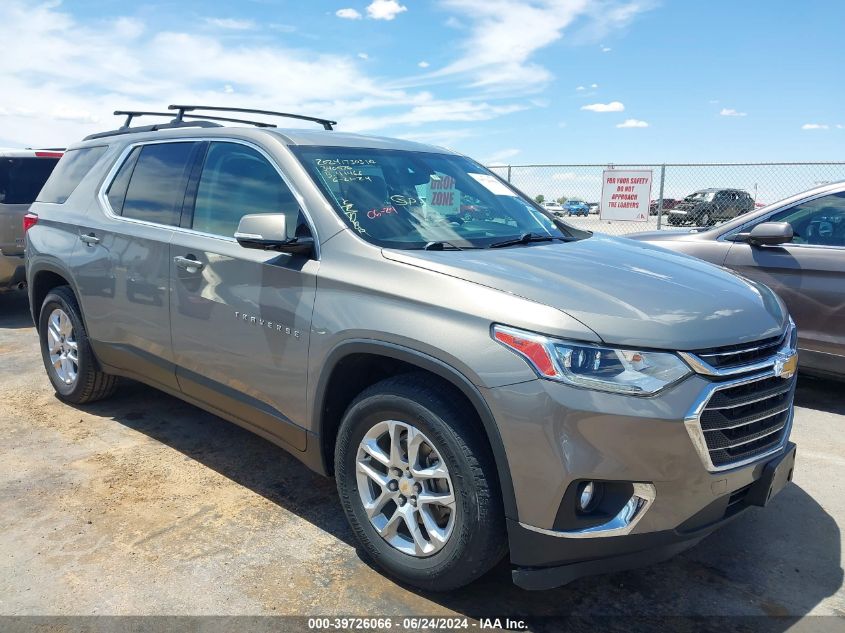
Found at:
<point>146,505</point>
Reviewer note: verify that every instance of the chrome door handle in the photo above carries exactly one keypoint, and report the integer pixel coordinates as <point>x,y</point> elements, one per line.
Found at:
<point>191,265</point>
<point>90,239</point>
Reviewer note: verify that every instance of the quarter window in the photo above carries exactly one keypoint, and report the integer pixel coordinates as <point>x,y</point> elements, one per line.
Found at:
<point>156,188</point>
<point>236,181</point>
<point>820,221</point>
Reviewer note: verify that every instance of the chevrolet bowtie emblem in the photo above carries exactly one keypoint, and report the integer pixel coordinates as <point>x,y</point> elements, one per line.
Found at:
<point>785,365</point>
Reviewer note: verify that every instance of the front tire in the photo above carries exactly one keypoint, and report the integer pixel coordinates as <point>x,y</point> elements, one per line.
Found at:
<point>67,353</point>
<point>418,484</point>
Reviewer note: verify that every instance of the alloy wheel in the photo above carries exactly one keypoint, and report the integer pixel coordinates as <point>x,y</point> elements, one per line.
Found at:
<point>405,488</point>
<point>62,346</point>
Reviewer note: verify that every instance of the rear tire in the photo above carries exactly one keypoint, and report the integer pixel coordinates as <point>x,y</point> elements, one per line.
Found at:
<point>469,537</point>
<point>66,351</point>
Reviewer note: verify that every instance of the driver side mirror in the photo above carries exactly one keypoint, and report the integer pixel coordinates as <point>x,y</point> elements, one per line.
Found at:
<point>767,234</point>
<point>268,232</point>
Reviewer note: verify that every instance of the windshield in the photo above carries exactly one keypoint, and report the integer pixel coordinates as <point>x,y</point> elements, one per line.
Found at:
<point>701,195</point>
<point>407,199</point>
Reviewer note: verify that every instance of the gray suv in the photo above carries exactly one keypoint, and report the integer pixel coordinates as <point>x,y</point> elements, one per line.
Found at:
<point>479,379</point>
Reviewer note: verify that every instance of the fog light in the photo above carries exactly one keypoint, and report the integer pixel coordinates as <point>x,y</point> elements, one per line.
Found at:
<point>586,494</point>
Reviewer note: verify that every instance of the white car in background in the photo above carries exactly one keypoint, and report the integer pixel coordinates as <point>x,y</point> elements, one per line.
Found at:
<point>553,207</point>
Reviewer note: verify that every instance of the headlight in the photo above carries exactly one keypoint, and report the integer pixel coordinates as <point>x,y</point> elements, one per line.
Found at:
<point>591,366</point>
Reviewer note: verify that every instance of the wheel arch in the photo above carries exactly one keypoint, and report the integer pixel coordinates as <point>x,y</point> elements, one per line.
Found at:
<point>330,401</point>
<point>42,279</point>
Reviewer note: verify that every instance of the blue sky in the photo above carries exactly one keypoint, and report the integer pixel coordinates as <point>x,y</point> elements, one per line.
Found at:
<point>507,82</point>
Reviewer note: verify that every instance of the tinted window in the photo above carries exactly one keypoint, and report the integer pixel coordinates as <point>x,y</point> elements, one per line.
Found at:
<point>117,189</point>
<point>236,181</point>
<point>70,171</point>
<point>156,188</point>
<point>820,221</point>
<point>22,178</point>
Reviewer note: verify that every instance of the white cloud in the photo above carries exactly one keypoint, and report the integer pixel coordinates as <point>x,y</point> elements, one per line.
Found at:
<point>580,88</point>
<point>632,123</point>
<point>504,35</point>
<point>51,97</point>
<point>613,106</point>
<point>385,9</point>
<point>423,64</point>
<point>594,86</point>
<point>229,23</point>
<point>840,126</point>
<point>498,158</point>
<point>348,14</point>
<point>606,49</point>
<point>815,126</point>
<point>732,112</point>
<point>76,116</point>
<point>363,56</point>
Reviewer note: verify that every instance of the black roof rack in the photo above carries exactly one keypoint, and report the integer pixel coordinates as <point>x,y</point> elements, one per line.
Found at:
<point>182,111</point>
<point>130,114</point>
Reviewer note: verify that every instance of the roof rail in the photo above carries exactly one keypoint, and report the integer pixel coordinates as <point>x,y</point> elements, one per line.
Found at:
<point>130,114</point>
<point>182,111</point>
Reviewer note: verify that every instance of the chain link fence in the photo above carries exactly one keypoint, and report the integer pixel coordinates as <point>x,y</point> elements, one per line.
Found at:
<point>763,182</point>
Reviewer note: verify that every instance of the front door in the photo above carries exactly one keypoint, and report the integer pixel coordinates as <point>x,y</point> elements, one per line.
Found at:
<point>241,318</point>
<point>808,274</point>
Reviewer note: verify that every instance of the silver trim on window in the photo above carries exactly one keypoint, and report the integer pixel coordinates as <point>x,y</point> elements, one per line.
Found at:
<point>623,523</point>
<point>118,163</point>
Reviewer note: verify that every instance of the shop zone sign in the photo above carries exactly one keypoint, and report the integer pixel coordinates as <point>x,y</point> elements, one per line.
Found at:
<point>625,195</point>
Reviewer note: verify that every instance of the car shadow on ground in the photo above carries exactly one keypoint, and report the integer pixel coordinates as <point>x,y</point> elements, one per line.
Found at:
<point>782,560</point>
<point>14,310</point>
<point>820,394</point>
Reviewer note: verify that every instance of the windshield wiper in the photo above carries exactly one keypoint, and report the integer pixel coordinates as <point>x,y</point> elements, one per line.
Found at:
<point>441,246</point>
<point>527,238</point>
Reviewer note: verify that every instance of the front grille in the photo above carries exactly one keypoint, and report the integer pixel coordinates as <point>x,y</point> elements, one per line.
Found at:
<point>746,420</point>
<point>743,354</point>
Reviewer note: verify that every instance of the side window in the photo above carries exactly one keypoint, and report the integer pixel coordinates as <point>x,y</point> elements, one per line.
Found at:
<point>117,189</point>
<point>820,221</point>
<point>158,181</point>
<point>236,181</point>
<point>70,171</point>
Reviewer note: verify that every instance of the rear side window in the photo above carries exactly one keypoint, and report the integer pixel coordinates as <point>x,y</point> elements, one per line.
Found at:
<point>22,178</point>
<point>70,171</point>
<point>156,189</point>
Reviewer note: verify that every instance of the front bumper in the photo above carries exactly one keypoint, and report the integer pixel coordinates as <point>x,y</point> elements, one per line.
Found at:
<point>546,560</point>
<point>556,435</point>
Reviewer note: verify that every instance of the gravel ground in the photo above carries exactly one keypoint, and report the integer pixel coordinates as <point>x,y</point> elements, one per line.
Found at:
<point>146,505</point>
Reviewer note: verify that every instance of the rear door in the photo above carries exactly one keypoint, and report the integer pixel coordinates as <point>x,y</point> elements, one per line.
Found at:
<point>809,274</point>
<point>123,270</point>
<point>241,318</point>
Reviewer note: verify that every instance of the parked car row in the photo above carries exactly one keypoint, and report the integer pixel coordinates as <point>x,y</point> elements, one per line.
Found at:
<point>430,352</point>
<point>571,207</point>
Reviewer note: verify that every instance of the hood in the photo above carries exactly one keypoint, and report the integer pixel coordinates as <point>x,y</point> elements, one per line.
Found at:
<point>629,293</point>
